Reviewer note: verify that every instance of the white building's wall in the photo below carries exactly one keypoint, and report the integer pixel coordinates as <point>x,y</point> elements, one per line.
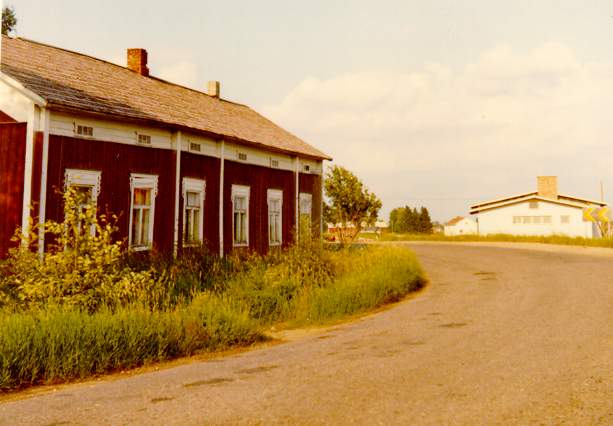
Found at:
<point>15,104</point>
<point>466,226</point>
<point>501,220</point>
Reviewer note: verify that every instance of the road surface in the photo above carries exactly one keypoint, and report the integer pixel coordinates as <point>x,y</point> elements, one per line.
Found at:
<point>500,336</point>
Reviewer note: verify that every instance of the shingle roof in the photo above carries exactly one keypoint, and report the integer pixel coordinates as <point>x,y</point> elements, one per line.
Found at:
<point>76,82</point>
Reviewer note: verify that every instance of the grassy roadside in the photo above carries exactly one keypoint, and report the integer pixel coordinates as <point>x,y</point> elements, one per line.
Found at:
<point>551,239</point>
<point>224,305</point>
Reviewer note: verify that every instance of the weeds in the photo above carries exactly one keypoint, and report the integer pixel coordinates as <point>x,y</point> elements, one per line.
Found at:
<point>87,308</point>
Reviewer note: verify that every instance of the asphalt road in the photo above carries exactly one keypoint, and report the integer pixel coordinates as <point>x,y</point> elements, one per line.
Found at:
<point>500,336</point>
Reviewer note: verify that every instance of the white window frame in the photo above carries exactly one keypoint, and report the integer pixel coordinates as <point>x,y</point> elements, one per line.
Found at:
<point>143,181</point>
<point>87,179</point>
<point>243,192</point>
<point>198,186</point>
<point>275,195</point>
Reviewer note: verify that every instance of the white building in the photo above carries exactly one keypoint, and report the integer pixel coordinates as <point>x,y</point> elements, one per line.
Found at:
<point>543,212</point>
<point>461,226</point>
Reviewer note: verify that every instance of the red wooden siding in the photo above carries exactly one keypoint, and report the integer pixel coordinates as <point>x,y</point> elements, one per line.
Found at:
<point>259,179</point>
<point>116,162</point>
<point>12,163</point>
<point>5,118</point>
<point>207,169</point>
<point>37,164</point>
<point>311,184</point>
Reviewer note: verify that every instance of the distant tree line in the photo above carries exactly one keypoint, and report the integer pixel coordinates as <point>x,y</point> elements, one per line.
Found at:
<point>412,221</point>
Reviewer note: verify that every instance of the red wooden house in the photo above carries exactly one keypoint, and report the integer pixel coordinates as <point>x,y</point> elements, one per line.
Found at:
<point>180,167</point>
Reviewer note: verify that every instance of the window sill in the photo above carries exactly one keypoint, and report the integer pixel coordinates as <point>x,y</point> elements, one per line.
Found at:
<point>240,245</point>
<point>140,248</point>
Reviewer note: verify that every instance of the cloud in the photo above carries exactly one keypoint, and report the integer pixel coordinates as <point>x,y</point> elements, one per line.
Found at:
<point>180,72</point>
<point>446,137</point>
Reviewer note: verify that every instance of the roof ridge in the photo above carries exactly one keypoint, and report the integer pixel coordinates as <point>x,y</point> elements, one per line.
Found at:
<point>153,77</point>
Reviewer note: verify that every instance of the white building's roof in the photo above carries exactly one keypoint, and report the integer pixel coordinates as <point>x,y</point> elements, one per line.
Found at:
<point>564,200</point>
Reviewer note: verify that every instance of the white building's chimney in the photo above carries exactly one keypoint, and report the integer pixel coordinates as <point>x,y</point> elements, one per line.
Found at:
<point>214,89</point>
<point>547,186</point>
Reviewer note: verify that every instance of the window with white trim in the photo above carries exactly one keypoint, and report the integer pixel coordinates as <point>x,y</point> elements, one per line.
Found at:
<point>565,219</point>
<point>240,215</point>
<point>275,217</point>
<point>87,187</point>
<point>143,190</point>
<point>306,212</point>
<point>193,211</point>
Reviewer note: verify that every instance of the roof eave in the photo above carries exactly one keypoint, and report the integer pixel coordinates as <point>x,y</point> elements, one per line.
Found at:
<point>15,84</point>
<point>160,123</point>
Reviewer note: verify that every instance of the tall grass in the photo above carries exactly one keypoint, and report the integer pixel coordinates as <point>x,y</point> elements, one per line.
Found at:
<point>548,239</point>
<point>199,303</point>
<point>62,343</point>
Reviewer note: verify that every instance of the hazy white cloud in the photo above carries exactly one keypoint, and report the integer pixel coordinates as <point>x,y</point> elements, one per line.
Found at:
<point>453,136</point>
<point>181,72</point>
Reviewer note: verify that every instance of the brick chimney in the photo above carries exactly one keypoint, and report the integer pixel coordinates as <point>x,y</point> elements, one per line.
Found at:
<point>137,61</point>
<point>214,89</point>
<point>547,186</point>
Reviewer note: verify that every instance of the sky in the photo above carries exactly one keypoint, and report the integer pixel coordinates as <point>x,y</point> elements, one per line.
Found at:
<point>430,103</point>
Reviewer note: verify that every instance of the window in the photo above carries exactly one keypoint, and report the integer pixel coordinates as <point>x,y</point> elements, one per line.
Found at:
<point>144,139</point>
<point>534,204</point>
<point>242,156</point>
<point>274,163</point>
<point>547,219</point>
<point>516,219</point>
<point>87,186</point>
<point>240,215</point>
<point>536,220</point>
<point>275,217</point>
<point>565,219</point>
<point>82,130</point>
<point>193,211</point>
<point>194,147</point>
<point>527,219</point>
<point>307,168</point>
<point>143,189</point>
<point>306,208</point>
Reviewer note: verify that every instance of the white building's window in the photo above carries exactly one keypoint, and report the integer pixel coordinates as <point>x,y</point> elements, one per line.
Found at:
<point>547,219</point>
<point>143,190</point>
<point>565,219</point>
<point>536,220</point>
<point>275,217</point>
<point>534,204</point>
<point>240,215</point>
<point>87,186</point>
<point>516,219</point>
<point>306,211</point>
<point>193,211</point>
<point>527,219</point>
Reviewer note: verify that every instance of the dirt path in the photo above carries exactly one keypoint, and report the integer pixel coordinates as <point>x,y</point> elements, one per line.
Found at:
<point>501,336</point>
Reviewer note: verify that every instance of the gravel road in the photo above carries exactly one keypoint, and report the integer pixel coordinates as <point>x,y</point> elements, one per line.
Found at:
<point>500,336</point>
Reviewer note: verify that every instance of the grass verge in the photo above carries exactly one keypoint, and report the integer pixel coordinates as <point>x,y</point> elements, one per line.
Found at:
<point>550,239</point>
<point>55,342</point>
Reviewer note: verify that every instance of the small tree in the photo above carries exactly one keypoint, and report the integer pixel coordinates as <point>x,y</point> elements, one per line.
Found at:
<point>350,203</point>
<point>9,20</point>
